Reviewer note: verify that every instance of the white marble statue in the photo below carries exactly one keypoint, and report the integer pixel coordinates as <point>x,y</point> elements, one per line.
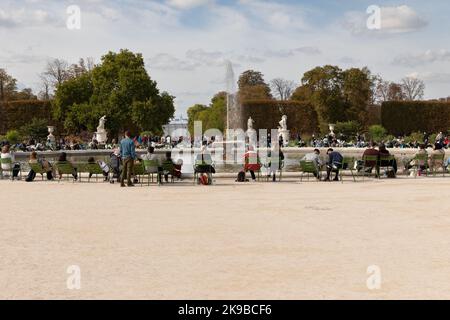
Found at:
<point>251,133</point>
<point>101,135</point>
<point>331,127</point>
<point>101,123</point>
<point>250,124</point>
<point>51,137</point>
<point>283,123</point>
<point>283,131</point>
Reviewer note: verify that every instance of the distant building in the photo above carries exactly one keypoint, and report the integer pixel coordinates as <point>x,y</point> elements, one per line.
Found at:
<point>177,127</point>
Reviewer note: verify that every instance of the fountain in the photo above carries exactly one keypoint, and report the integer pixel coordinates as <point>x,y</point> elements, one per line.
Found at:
<point>231,89</point>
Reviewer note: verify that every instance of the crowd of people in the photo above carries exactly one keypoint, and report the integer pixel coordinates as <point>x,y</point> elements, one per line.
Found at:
<point>378,156</point>
<point>123,160</point>
<point>360,141</point>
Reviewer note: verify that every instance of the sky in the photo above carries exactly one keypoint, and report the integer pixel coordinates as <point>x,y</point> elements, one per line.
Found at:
<point>187,43</point>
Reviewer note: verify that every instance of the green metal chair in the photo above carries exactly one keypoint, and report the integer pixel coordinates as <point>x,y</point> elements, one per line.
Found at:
<point>420,162</point>
<point>309,167</point>
<point>347,164</point>
<point>167,169</point>
<point>253,159</point>
<point>367,164</point>
<point>386,162</point>
<point>437,162</point>
<point>8,162</point>
<point>37,168</point>
<point>152,168</point>
<point>203,164</point>
<point>64,169</point>
<point>139,171</point>
<point>91,169</point>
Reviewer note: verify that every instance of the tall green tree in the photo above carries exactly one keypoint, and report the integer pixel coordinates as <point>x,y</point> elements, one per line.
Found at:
<point>194,115</point>
<point>213,116</point>
<point>358,86</point>
<point>253,87</point>
<point>120,88</point>
<point>337,95</point>
<point>8,85</point>
<point>325,84</point>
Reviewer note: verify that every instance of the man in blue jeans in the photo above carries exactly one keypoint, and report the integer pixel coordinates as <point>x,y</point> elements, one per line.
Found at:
<point>128,155</point>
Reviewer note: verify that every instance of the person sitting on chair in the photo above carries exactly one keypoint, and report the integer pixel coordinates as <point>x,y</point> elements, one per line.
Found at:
<point>416,163</point>
<point>439,152</point>
<point>204,163</point>
<point>315,158</point>
<point>14,167</point>
<point>43,163</point>
<point>63,159</point>
<point>334,164</point>
<point>277,165</point>
<point>176,169</point>
<point>251,162</point>
<point>369,165</point>
<point>383,152</point>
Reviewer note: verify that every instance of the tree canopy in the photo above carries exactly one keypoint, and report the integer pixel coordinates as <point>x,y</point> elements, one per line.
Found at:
<point>337,95</point>
<point>120,88</point>
<point>212,116</point>
<point>253,87</point>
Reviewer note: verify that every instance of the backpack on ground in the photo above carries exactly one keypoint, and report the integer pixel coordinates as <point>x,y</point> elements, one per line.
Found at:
<point>204,179</point>
<point>241,177</point>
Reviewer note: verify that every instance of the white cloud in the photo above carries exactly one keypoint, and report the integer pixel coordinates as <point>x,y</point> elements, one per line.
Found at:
<point>285,53</point>
<point>395,19</point>
<point>188,4</point>
<point>21,17</point>
<point>431,77</point>
<point>427,57</point>
<point>276,15</point>
<point>165,61</point>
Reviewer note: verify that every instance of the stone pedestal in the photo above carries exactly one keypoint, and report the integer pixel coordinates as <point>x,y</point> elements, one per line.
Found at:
<point>101,136</point>
<point>285,134</point>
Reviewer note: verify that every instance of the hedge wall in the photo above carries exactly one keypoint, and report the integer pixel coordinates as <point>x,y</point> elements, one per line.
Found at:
<point>405,117</point>
<point>302,118</point>
<point>15,114</point>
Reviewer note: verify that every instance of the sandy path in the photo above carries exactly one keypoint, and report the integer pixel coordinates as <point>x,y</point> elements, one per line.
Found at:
<point>253,241</point>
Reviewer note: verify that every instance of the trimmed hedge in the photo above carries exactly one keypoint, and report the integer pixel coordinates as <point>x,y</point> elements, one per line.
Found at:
<point>302,117</point>
<point>405,117</point>
<point>15,114</point>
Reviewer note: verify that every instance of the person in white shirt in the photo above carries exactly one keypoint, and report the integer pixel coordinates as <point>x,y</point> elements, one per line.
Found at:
<point>12,166</point>
<point>315,158</point>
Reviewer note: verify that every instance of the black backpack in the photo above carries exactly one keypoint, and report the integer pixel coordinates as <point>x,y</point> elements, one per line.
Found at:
<point>31,176</point>
<point>241,177</point>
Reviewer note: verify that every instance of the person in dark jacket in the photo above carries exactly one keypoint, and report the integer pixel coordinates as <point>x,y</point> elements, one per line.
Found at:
<point>334,164</point>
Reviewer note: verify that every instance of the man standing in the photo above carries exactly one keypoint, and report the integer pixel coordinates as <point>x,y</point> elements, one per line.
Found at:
<point>128,155</point>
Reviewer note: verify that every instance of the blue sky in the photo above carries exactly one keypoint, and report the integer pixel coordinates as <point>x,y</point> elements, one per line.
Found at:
<point>186,43</point>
